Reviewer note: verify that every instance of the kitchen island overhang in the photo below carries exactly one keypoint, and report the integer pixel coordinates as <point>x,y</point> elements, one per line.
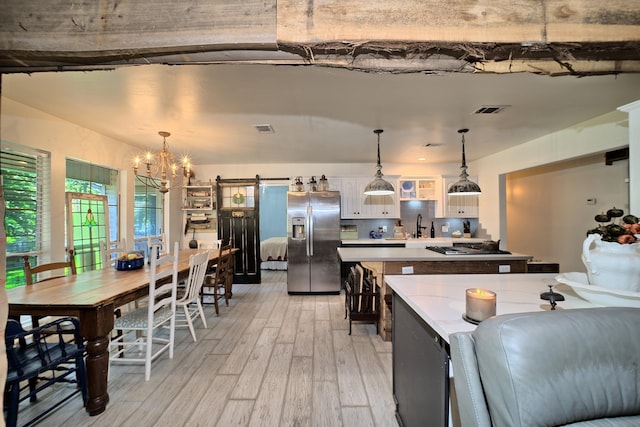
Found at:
<point>382,261</point>
<point>427,310</point>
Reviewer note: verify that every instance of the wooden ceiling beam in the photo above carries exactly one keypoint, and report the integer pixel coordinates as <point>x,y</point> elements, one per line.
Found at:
<point>552,37</point>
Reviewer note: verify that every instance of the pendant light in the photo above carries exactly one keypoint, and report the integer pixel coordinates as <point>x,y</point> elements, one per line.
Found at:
<point>464,187</point>
<point>379,187</point>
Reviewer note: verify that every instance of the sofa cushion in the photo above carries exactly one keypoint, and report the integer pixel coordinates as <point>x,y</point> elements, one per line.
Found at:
<point>560,367</point>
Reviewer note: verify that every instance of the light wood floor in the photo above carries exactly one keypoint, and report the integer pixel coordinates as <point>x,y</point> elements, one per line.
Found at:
<point>270,359</point>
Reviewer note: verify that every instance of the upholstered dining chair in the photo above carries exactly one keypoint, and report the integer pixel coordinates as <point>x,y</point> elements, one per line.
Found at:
<point>48,271</point>
<point>144,330</point>
<point>188,305</point>
<point>109,254</point>
<point>41,360</point>
<point>565,367</point>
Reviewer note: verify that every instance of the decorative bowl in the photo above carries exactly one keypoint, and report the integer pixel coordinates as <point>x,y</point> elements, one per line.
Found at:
<point>579,282</point>
<point>129,264</point>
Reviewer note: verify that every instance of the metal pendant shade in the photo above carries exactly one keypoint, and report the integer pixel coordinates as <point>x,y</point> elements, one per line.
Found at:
<point>464,187</point>
<point>379,187</point>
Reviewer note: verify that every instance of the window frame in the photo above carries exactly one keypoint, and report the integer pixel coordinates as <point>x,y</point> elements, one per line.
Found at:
<point>13,154</point>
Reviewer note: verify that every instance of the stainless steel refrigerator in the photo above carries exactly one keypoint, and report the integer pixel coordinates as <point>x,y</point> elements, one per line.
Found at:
<point>313,219</point>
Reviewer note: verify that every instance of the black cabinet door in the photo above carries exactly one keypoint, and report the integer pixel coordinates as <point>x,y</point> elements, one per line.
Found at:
<point>420,370</point>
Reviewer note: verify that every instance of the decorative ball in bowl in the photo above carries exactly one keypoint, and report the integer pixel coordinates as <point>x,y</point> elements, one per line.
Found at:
<point>130,262</point>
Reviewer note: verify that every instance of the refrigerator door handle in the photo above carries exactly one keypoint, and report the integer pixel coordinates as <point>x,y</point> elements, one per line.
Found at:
<point>310,232</point>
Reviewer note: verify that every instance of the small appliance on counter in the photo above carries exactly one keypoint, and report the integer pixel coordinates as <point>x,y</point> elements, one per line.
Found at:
<point>348,232</point>
<point>398,230</point>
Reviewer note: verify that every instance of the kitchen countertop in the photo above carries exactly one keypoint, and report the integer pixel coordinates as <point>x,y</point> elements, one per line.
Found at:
<point>440,299</point>
<point>382,253</point>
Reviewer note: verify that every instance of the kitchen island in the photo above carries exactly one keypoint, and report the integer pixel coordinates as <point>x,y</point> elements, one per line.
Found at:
<point>427,309</point>
<point>382,261</point>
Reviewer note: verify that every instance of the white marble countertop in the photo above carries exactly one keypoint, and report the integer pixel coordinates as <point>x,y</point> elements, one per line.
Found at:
<point>440,299</point>
<point>355,254</point>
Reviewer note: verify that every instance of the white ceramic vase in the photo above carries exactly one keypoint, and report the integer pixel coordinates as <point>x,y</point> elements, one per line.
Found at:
<point>611,264</point>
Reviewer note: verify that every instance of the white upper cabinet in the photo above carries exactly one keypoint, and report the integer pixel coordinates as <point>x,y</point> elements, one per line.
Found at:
<point>459,206</point>
<point>355,204</point>
<point>423,188</point>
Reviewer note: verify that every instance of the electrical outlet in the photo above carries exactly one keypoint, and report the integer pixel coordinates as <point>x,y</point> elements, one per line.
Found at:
<point>504,268</point>
<point>384,228</point>
<point>407,270</point>
<point>445,228</point>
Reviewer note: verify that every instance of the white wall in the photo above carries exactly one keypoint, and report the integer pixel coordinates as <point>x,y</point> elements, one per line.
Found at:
<point>547,211</point>
<point>32,128</point>
<point>633,110</point>
<point>600,134</point>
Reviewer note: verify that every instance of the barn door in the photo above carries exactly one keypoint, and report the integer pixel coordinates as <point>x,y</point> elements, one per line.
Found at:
<point>239,220</point>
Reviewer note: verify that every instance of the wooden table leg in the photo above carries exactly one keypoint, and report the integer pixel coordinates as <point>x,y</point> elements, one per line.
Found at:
<point>95,326</point>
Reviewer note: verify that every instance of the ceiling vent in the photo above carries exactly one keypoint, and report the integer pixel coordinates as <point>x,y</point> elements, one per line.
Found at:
<point>491,109</point>
<point>264,128</point>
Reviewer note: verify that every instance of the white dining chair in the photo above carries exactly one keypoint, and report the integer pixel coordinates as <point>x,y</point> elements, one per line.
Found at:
<point>110,252</point>
<point>158,241</point>
<point>146,327</point>
<point>188,306</point>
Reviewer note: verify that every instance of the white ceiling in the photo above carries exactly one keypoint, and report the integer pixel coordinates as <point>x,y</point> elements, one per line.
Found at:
<point>320,115</point>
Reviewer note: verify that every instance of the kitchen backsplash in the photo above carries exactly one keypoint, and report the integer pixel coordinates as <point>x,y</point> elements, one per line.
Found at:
<point>409,211</point>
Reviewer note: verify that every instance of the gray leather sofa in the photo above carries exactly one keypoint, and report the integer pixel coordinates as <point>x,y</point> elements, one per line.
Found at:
<point>565,367</point>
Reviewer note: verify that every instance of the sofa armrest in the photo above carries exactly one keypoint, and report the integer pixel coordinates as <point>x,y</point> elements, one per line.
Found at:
<point>471,402</point>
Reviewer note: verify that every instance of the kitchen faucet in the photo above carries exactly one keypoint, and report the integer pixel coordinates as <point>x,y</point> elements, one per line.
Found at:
<point>419,226</point>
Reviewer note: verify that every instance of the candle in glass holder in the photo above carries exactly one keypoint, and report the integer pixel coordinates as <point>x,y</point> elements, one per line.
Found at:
<point>480,304</point>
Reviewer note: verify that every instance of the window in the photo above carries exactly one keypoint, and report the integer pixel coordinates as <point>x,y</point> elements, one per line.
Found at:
<point>25,173</point>
<point>147,214</point>
<point>87,178</point>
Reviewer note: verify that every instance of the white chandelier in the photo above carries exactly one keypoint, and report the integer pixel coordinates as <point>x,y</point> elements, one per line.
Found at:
<point>160,166</point>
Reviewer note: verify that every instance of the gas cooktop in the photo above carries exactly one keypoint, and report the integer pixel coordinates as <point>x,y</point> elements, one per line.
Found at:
<point>464,250</point>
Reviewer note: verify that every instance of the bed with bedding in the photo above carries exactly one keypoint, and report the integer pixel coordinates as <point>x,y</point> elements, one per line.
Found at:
<point>273,253</point>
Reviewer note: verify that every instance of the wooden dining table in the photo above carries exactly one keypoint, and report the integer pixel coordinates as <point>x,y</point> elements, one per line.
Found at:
<point>92,297</point>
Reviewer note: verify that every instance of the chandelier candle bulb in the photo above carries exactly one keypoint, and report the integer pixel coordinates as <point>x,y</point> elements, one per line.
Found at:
<point>480,304</point>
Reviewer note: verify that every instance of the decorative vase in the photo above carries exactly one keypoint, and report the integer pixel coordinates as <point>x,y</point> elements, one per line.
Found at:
<point>611,264</point>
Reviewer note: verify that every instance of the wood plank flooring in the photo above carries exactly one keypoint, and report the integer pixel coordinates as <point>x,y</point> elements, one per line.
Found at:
<point>270,359</point>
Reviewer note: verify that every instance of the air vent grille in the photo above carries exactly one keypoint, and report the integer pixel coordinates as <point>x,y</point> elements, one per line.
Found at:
<point>264,128</point>
<point>490,109</point>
